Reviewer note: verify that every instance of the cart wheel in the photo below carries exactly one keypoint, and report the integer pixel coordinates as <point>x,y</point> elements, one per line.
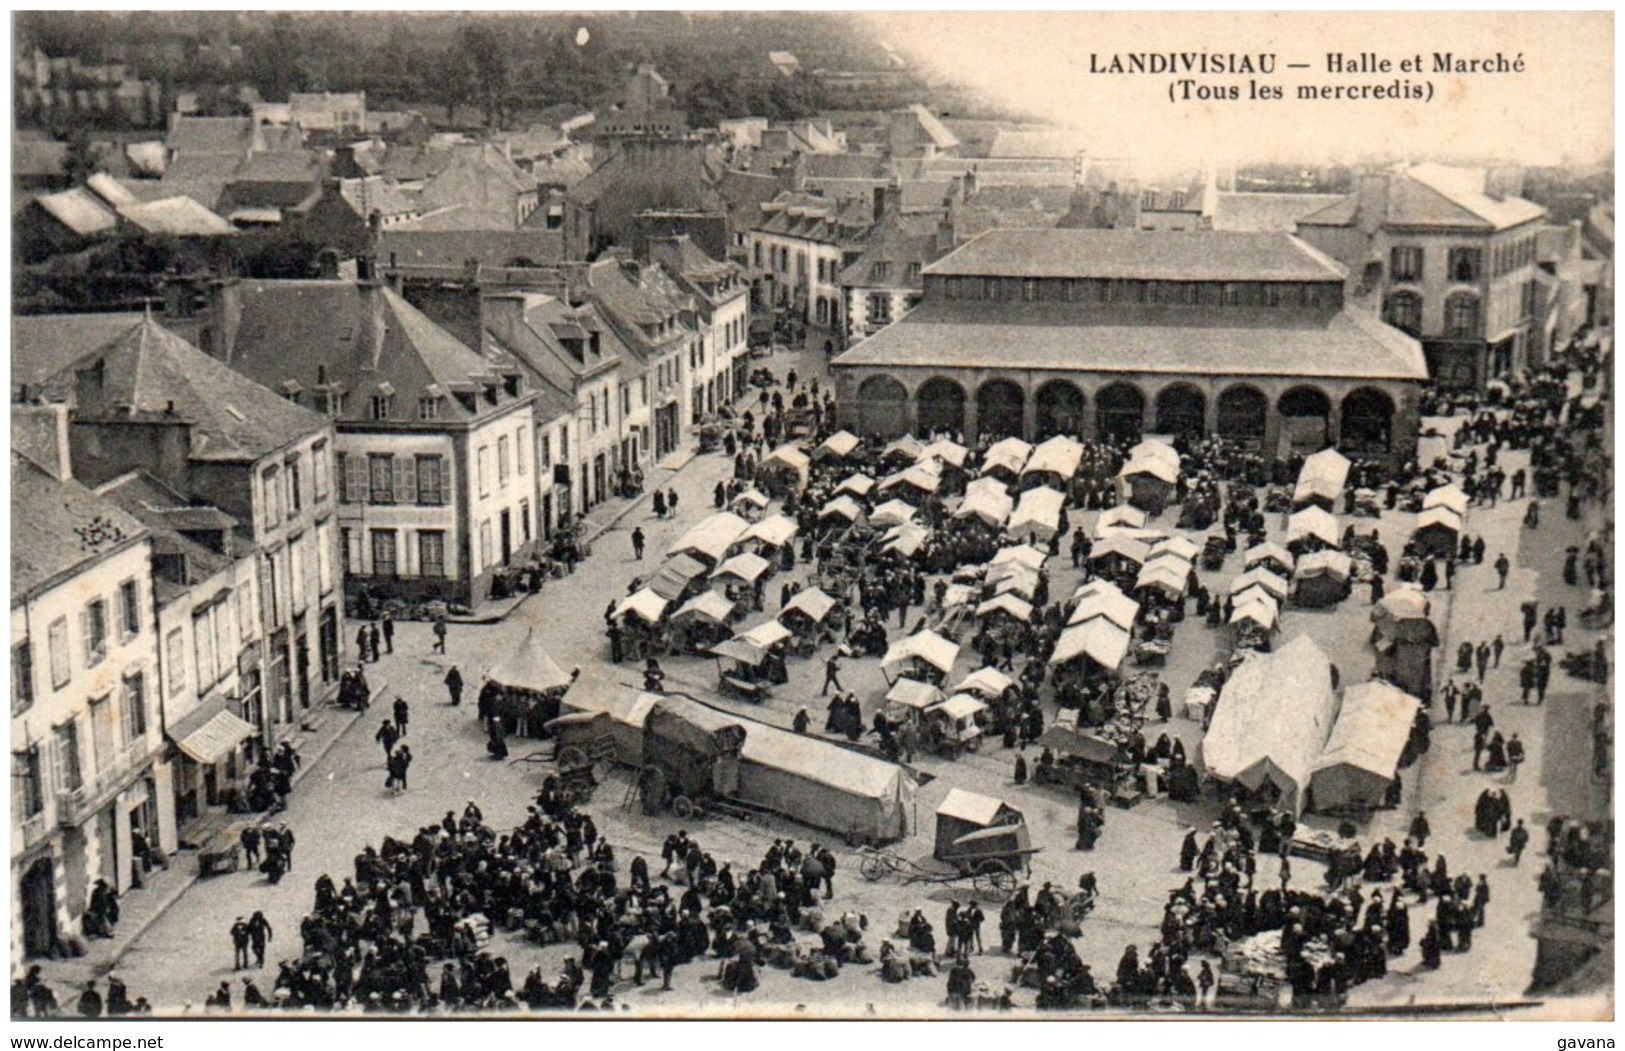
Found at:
<point>570,758</point>
<point>682,806</point>
<point>994,879</point>
<point>873,866</point>
<point>600,771</point>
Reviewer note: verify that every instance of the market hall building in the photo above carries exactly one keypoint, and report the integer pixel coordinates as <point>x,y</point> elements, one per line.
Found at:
<point>1114,333</point>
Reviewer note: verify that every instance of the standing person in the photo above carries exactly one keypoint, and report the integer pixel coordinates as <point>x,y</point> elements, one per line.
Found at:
<point>1496,649</point>
<point>659,504</point>
<point>1531,615</point>
<point>361,644</point>
<point>374,637</point>
<point>90,1001</point>
<point>259,935</point>
<point>285,836</point>
<point>239,945</point>
<point>1517,842</point>
<point>637,543</point>
<point>1420,829</point>
<point>403,755</point>
<point>387,735</point>
<point>1515,758</point>
<point>389,633</point>
<point>1502,568</point>
<point>671,502</point>
<point>403,715</point>
<point>832,674</point>
<point>440,634</point>
<point>250,840</point>
<point>454,686</point>
<point>1204,985</point>
<point>1483,659</point>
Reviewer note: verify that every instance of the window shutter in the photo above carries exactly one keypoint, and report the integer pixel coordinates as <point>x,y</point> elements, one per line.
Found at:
<point>356,483</point>
<point>84,636</point>
<point>406,480</point>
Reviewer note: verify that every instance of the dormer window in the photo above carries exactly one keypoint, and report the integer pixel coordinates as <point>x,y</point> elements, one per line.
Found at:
<point>429,408</point>
<point>383,406</point>
<point>511,383</point>
<point>468,401</point>
<point>880,271</point>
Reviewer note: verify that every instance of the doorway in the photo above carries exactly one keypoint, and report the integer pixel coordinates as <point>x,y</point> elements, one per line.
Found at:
<point>506,523</point>
<point>38,893</point>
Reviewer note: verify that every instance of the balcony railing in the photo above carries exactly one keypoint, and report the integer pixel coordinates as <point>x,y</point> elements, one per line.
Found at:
<point>35,830</point>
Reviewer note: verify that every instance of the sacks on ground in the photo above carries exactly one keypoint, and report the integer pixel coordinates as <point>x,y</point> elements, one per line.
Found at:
<point>894,970</point>
<point>923,964</point>
<point>812,919</point>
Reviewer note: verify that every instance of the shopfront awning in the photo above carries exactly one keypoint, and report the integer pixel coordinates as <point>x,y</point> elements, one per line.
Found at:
<point>210,733</point>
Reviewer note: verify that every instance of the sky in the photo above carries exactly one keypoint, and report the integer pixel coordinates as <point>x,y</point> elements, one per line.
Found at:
<point>1558,110</point>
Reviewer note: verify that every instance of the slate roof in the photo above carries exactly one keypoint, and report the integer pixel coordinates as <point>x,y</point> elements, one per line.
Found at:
<point>146,370</point>
<point>359,335</point>
<point>374,194</point>
<point>178,217</point>
<point>37,158</point>
<point>41,345</point>
<point>167,515</point>
<point>1229,342</point>
<point>814,217</point>
<point>896,241</point>
<point>50,520</point>
<point>1266,212</point>
<point>936,131</point>
<point>1186,255</point>
<point>233,135</point>
<point>79,210</point>
<point>200,176</point>
<point>1436,195</point>
<point>292,166</point>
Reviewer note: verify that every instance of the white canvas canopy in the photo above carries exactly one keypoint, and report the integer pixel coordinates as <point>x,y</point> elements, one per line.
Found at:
<point>707,605</point>
<point>994,508</point>
<point>1116,520</point>
<point>1325,563</point>
<point>746,567</point>
<point>766,635</point>
<point>907,446</point>
<point>751,498</point>
<point>1113,605</point>
<point>928,646</point>
<point>1009,604</point>
<point>811,603</point>
<point>986,485</point>
<point>905,539</point>
<point>1136,551</point>
<point>1097,586</point>
<point>1021,554</point>
<point>1260,577</point>
<point>1361,756</point>
<point>1267,552</point>
<point>922,476</point>
<point>1439,517</point>
<point>1013,577</point>
<point>1258,608</point>
<point>711,537</point>
<point>1157,468</point>
<point>824,785</point>
<point>1404,602</point>
<point>1180,547</point>
<point>646,605</point>
<point>1169,575</point>
<point>1272,721</point>
<point>774,531</point>
<point>1315,522</point>
<point>893,512</point>
<point>1059,455</point>
<point>912,693</point>
<point>529,668</point>
<point>1008,454</point>
<point>948,452</point>
<point>842,507</point>
<point>626,706</point>
<point>858,484</point>
<point>970,807</point>
<point>1099,639</point>
<point>1446,496</point>
<point>1038,512</point>
<point>1322,478</point>
<point>987,682</point>
<point>788,457</point>
<point>839,445</point>
<point>960,707</point>
<point>1155,449</point>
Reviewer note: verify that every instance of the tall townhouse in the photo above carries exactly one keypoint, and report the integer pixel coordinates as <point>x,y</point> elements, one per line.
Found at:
<point>719,354</point>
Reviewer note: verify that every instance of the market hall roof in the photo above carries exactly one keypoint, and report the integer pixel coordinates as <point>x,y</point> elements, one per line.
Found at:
<point>1067,337</point>
<point>1182,255</point>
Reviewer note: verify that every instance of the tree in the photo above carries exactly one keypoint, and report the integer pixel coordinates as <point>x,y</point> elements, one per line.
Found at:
<point>487,64</point>
<point>82,158</point>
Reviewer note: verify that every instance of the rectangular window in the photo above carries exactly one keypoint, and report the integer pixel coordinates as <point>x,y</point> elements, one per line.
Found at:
<point>428,408</point>
<point>879,308</point>
<point>271,590</point>
<point>102,731</point>
<point>485,545</point>
<point>564,444</point>
<point>296,574</point>
<point>70,771</point>
<point>1029,290</point>
<point>519,451</point>
<point>129,609</point>
<point>324,557</point>
<point>544,456</point>
<point>295,497</point>
<point>318,470</point>
<point>383,552</point>
<point>95,630</point>
<point>383,405</point>
<point>524,521</point>
<point>502,462</point>
<point>245,609</point>
<point>431,553</point>
<point>482,470</point>
<point>61,660</point>
<point>28,782</point>
<point>1466,264</point>
<point>22,677</point>
<point>273,497</point>
<point>346,564</point>
<point>135,708</point>
<point>382,480</point>
<point>1405,263</point>
<point>175,655</point>
<point>203,647</point>
<point>431,472</point>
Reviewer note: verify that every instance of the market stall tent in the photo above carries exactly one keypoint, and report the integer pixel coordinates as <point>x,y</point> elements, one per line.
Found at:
<point>843,507</point>
<point>926,477</point>
<point>963,813</point>
<point>710,538</point>
<point>1150,482</point>
<point>674,576</point>
<point>645,605</point>
<point>1322,578</point>
<point>765,635</point>
<point>1270,555</point>
<point>1438,530</point>
<point>626,706</point>
<point>1168,575</point>
<point>772,532</point>
<point>825,786</point>
<point>1321,480</point>
<point>993,508</point>
<point>1010,605</point>
<point>906,539</point>
<point>753,499</point>
<point>1022,554</point>
<point>1449,496</point>
<point>985,682</point>
<point>926,646</point>
<point>893,512</point>
<point>1260,577</point>
<point>1114,606</point>
<point>1272,721</point>
<point>811,603</point>
<point>837,446</point>
<point>858,484</point>
<point>1099,640</point>
<point>529,668</point>
<point>788,458</point>
<point>1060,456</point>
<point>708,606</point>
<point>1404,637</point>
<point>1361,756</point>
<point>949,452</point>
<point>1181,547</point>
<point>907,448</point>
<point>912,693</point>
<point>746,567</point>
<point>1008,455</point>
<point>1316,523</point>
<point>1038,513</point>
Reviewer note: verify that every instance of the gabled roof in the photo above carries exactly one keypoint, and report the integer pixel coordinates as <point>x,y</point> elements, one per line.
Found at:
<point>59,528</point>
<point>233,135</point>
<point>303,167</point>
<point>1267,212</point>
<point>178,217</point>
<point>148,371</point>
<point>79,210</point>
<point>37,158</point>
<point>375,194</point>
<point>168,516</point>
<point>1185,255</point>
<point>1463,190</point>
<point>200,176</point>
<point>362,336</point>
<point>935,131</point>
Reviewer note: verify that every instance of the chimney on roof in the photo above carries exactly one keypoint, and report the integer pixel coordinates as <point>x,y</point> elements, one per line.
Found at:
<point>1371,209</point>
